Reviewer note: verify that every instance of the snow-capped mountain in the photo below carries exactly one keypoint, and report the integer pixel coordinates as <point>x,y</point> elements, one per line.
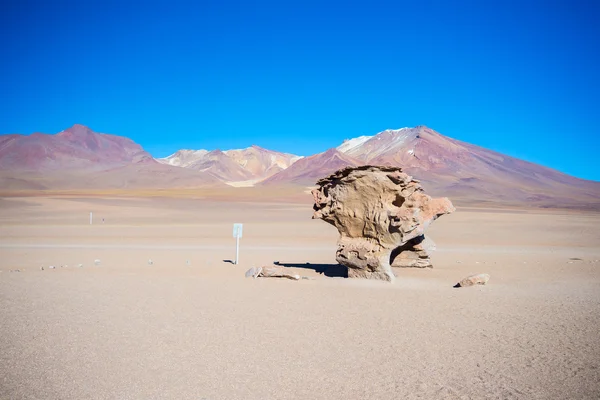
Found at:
<point>251,164</point>
<point>450,167</point>
<point>80,158</point>
<point>350,144</point>
<point>183,158</point>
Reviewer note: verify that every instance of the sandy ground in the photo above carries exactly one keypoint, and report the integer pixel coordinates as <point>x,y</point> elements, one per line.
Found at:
<point>190,326</point>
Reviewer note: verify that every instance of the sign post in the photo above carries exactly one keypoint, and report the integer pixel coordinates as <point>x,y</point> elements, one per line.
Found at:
<point>237,234</point>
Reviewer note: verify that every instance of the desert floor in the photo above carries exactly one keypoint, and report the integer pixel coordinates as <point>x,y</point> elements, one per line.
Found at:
<point>191,326</point>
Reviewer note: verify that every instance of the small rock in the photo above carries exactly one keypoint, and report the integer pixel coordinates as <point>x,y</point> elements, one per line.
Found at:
<point>97,262</point>
<point>42,268</point>
<point>80,265</point>
<point>277,272</point>
<point>150,262</point>
<point>52,267</point>
<point>15,270</point>
<point>459,262</point>
<point>479,279</point>
<point>187,262</point>
<point>253,272</point>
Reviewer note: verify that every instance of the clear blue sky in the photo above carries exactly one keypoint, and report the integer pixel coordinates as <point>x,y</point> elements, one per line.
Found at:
<point>519,77</point>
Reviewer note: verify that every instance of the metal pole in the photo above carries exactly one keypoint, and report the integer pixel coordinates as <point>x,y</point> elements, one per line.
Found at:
<point>237,249</point>
<point>91,218</point>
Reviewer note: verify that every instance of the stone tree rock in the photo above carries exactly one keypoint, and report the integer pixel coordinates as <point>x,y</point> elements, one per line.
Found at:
<point>381,214</point>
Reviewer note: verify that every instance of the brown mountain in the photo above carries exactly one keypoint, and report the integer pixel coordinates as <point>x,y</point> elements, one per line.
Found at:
<point>464,171</point>
<point>261,162</point>
<point>81,158</point>
<point>308,170</point>
<point>76,147</point>
<point>251,164</point>
<point>218,164</point>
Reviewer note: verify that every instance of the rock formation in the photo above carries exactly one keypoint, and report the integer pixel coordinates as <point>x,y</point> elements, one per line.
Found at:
<point>381,214</point>
<point>271,272</point>
<point>479,279</point>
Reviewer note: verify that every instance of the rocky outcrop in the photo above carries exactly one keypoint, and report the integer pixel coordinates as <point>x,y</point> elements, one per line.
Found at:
<point>381,214</point>
<point>479,279</point>
<point>271,272</point>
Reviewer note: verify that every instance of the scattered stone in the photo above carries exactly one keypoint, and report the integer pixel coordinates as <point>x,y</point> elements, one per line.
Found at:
<point>52,267</point>
<point>42,268</point>
<point>459,262</point>
<point>576,259</point>
<point>278,272</point>
<point>381,214</point>
<point>479,279</point>
<point>150,262</point>
<point>97,262</point>
<point>270,272</point>
<point>15,270</point>
<point>187,262</point>
<point>80,265</point>
<point>253,272</point>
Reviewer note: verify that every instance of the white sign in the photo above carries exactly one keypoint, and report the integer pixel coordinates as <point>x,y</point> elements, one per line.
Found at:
<point>237,234</point>
<point>237,230</point>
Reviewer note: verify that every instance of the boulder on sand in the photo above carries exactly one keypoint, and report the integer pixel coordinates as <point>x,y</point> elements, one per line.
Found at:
<point>270,272</point>
<point>478,279</point>
<point>381,214</point>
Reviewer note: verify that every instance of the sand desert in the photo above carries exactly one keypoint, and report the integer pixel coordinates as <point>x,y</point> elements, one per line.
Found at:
<point>165,314</point>
<point>418,185</point>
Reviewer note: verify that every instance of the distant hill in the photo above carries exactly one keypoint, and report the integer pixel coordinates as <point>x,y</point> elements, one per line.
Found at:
<point>251,164</point>
<point>461,170</point>
<point>81,158</point>
<point>309,169</point>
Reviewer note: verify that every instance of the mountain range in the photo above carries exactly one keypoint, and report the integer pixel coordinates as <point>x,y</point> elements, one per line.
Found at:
<point>243,167</point>
<point>78,158</point>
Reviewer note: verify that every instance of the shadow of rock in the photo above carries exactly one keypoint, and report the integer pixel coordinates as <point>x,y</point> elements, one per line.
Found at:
<point>330,270</point>
<point>229,261</point>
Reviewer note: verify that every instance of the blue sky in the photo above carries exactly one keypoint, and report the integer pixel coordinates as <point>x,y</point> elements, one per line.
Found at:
<point>519,77</point>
